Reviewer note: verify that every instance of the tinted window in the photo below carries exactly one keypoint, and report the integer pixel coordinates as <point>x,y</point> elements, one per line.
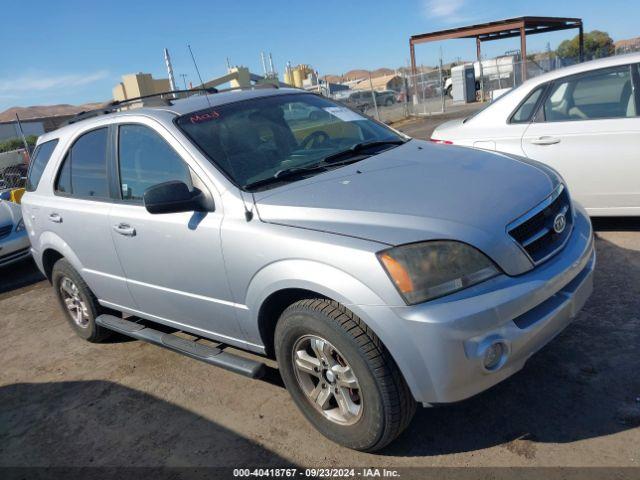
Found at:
<point>63,185</point>
<point>39,161</point>
<point>526,110</point>
<point>84,170</point>
<point>146,160</point>
<point>600,94</point>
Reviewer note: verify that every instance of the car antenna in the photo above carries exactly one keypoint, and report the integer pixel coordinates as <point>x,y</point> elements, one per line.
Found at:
<point>198,72</point>
<point>248,212</point>
<point>24,139</point>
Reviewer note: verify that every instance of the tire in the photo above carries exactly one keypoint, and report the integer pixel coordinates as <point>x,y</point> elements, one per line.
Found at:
<point>448,92</point>
<point>381,406</point>
<point>87,328</point>
<point>389,102</point>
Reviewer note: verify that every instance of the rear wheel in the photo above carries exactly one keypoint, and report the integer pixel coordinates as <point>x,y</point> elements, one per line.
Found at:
<point>341,376</point>
<point>78,302</point>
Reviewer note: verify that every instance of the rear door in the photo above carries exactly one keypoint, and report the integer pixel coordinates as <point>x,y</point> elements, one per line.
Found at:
<point>173,262</point>
<point>78,213</point>
<point>588,129</point>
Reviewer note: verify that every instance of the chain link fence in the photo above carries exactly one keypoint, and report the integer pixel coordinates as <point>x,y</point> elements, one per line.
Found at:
<point>431,91</point>
<point>13,170</point>
<point>382,98</point>
<point>496,76</point>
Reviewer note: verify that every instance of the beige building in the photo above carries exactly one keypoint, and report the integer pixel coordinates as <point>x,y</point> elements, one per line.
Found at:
<point>138,85</point>
<point>385,82</point>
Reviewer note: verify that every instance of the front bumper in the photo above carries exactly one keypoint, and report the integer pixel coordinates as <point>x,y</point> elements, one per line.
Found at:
<point>444,340</point>
<point>14,248</point>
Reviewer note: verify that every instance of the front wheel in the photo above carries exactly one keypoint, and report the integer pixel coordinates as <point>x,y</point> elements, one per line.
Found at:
<point>341,376</point>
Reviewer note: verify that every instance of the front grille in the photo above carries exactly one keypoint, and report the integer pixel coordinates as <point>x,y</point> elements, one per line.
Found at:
<point>535,231</point>
<point>5,230</point>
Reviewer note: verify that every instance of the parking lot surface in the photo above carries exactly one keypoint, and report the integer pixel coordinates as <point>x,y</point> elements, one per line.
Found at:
<point>65,402</point>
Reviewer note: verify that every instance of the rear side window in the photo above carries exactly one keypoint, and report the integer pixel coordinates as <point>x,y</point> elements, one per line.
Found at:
<point>39,161</point>
<point>145,160</point>
<point>84,170</point>
<point>604,93</point>
<point>527,108</point>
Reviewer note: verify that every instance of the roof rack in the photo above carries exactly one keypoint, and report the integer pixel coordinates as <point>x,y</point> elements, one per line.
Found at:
<point>250,87</point>
<point>117,104</point>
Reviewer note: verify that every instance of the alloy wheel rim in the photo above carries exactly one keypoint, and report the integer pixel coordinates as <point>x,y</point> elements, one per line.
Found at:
<point>327,380</point>
<point>74,304</point>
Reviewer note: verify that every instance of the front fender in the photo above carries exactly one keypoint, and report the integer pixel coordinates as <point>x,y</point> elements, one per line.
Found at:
<point>309,275</point>
<point>342,287</point>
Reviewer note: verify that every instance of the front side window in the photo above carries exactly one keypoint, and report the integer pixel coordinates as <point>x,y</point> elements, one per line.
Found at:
<point>145,160</point>
<point>600,94</point>
<point>257,139</point>
<point>39,161</point>
<point>84,169</point>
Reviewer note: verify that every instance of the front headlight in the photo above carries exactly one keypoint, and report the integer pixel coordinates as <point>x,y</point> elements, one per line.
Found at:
<point>20,226</point>
<point>427,270</point>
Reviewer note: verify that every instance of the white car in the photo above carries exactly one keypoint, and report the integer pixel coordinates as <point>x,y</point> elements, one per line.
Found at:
<point>582,120</point>
<point>14,242</point>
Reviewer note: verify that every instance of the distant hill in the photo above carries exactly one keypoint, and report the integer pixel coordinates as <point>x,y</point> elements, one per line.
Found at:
<point>41,111</point>
<point>380,72</point>
<point>357,74</point>
<point>628,45</point>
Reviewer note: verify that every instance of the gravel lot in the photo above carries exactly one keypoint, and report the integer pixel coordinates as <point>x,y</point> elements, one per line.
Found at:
<point>65,402</point>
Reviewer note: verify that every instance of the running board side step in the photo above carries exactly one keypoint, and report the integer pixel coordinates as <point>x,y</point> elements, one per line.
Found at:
<point>211,355</point>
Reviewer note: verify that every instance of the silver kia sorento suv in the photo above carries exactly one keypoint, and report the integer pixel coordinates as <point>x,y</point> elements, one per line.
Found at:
<point>380,271</point>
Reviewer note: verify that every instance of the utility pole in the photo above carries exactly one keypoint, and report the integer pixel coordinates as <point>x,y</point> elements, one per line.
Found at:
<point>184,80</point>
<point>441,81</point>
<point>373,96</point>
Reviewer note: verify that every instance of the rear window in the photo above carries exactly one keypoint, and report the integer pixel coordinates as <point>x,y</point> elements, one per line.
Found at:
<point>39,160</point>
<point>84,170</point>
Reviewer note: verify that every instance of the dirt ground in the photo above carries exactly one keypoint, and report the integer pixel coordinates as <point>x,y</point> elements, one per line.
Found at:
<point>65,402</point>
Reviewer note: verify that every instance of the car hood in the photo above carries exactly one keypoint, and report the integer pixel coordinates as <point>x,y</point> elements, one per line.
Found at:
<point>9,213</point>
<point>418,191</point>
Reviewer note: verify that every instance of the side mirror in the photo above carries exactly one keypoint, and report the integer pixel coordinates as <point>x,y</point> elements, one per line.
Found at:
<point>174,197</point>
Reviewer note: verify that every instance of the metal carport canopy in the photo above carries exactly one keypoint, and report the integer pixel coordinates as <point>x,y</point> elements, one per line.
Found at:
<point>511,27</point>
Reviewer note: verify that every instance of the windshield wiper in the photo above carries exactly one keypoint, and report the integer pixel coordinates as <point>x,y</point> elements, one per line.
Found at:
<point>287,173</point>
<point>298,172</point>
<point>331,161</point>
<point>359,148</point>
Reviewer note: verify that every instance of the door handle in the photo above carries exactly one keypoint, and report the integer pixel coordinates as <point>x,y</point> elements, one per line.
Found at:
<point>125,229</point>
<point>545,141</point>
<point>55,218</point>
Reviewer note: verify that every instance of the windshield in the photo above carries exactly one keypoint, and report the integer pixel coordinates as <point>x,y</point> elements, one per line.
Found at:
<point>254,140</point>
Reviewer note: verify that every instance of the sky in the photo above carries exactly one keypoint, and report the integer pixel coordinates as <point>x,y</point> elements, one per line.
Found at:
<point>76,51</point>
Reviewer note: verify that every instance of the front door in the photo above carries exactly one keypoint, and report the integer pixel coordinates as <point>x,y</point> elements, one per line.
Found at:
<point>173,262</point>
<point>589,131</point>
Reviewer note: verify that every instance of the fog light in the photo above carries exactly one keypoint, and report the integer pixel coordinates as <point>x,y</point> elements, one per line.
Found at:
<point>494,355</point>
